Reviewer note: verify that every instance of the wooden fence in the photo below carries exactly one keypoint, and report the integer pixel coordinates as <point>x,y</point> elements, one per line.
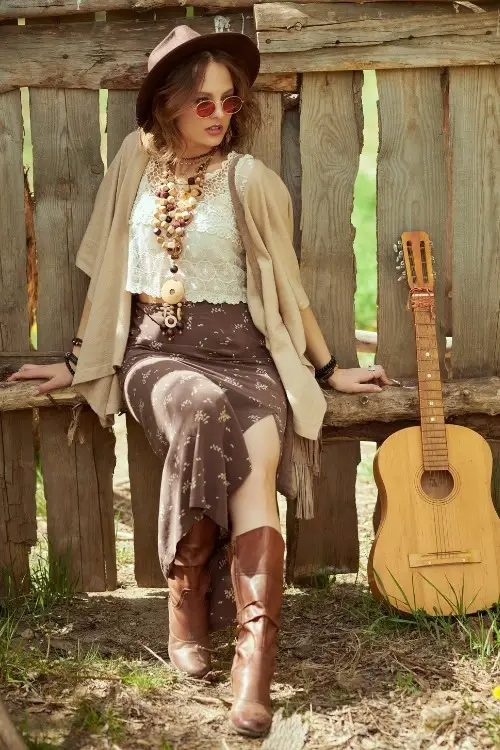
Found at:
<point>438,170</point>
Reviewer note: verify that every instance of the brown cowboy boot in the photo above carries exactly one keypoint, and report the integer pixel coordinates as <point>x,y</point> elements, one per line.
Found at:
<point>257,573</point>
<point>188,582</point>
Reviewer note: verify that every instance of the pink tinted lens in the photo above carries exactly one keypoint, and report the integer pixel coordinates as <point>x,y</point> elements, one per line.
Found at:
<point>232,104</point>
<point>205,108</point>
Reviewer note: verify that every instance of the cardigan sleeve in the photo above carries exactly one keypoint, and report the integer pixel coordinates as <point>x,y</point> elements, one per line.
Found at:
<point>101,219</point>
<point>269,216</point>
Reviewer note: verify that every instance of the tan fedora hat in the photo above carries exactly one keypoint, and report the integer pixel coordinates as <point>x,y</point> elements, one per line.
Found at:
<point>179,44</point>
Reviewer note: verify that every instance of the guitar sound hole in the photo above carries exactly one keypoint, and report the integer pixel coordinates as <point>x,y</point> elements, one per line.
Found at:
<point>437,484</point>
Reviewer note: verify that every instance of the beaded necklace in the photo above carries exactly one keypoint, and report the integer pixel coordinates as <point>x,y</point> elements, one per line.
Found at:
<point>176,201</point>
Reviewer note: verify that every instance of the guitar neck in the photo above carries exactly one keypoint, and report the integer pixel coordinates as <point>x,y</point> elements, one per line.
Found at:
<point>432,422</point>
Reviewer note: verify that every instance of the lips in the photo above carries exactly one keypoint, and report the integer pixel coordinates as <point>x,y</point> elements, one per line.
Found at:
<point>215,130</point>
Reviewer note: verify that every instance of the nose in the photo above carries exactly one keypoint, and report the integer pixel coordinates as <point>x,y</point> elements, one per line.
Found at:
<point>219,112</point>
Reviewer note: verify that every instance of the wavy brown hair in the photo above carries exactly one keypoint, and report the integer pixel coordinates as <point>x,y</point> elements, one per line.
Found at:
<point>161,137</point>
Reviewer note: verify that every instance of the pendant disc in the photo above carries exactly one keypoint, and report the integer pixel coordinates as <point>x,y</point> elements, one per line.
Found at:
<point>172,291</point>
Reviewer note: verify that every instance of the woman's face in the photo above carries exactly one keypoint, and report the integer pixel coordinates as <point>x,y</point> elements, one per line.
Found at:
<point>202,134</point>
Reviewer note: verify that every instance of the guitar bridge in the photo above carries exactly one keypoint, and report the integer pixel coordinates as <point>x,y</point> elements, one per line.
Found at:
<point>456,557</point>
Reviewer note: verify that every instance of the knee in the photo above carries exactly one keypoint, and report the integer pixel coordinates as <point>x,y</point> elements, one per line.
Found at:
<point>189,395</point>
<point>203,396</point>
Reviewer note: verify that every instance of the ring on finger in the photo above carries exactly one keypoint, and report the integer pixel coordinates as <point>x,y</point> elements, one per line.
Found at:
<point>372,368</point>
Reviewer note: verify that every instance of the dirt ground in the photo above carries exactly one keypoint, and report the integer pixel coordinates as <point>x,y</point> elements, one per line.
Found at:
<point>350,674</point>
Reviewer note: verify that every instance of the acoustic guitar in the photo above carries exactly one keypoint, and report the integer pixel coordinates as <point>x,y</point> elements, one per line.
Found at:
<point>437,545</point>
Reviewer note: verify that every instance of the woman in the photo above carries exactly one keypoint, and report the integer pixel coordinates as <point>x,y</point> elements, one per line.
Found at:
<point>196,318</point>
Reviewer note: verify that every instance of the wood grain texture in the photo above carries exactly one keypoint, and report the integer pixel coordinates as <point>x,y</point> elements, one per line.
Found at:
<point>412,194</point>
<point>91,55</point>
<point>145,472</point>
<point>103,55</point>
<point>475,155</point>
<point>121,119</point>
<point>291,27</point>
<point>40,8</point>
<point>331,141</point>
<point>291,168</point>
<point>17,455</point>
<point>267,144</point>
<point>348,36</point>
<point>349,28</point>
<point>78,477</point>
<point>475,144</point>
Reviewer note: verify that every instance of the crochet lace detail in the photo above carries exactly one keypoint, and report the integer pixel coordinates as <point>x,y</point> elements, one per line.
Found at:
<point>212,266</point>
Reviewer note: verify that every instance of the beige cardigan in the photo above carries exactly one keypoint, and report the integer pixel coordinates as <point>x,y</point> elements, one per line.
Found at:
<point>275,299</point>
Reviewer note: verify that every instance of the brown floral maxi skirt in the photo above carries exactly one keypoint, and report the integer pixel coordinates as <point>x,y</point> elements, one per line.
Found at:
<point>195,397</point>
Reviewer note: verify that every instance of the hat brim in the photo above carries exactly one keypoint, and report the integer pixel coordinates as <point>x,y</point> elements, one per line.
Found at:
<point>239,46</point>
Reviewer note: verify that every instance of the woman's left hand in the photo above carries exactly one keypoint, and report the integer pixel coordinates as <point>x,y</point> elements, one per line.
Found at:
<point>359,379</point>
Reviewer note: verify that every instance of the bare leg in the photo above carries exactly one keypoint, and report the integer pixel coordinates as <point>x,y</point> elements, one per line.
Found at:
<point>254,504</point>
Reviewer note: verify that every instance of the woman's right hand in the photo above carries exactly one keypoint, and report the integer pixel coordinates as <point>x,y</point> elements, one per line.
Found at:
<point>57,376</point>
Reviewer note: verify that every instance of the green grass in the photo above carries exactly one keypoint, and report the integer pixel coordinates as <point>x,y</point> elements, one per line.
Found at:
<point>96,719</point>
<point>480,632</point>
<point>364,216</point>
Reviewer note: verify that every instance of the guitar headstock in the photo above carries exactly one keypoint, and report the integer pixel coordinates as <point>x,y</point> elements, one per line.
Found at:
<point>414,259</point>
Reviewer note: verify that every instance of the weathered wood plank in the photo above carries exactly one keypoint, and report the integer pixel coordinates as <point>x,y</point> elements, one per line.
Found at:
<point>37,8</point>
<point>296,23</point>
<point>461,398</point>
<point>77,477</point>
<point>121,119</point>
<point>17,454</point>
<point>291,168</point>
<point>412,193</point>
<point>309,37</point>
<point>475,153</point>
<point>145,472</point>
<point>440,53</point>
<point>102,55</point>
<point>300,28</point>
<point>96,55</point>
<point>267,144</point>
<point>331,140</point>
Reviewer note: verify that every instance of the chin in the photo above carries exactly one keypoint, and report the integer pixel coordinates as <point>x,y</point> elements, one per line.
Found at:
<point>211,141</point>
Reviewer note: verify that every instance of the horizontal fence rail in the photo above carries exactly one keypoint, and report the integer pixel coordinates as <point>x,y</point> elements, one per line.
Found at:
<point>45,8</point>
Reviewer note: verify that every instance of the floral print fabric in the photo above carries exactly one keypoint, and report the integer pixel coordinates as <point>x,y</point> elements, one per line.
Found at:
<point>195,397</point>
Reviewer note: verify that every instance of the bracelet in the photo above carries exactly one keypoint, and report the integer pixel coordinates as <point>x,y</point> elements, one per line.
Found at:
<point>326,371</point>
<point>76,341</point>
<point>68,365</point>
<point>69,358</point>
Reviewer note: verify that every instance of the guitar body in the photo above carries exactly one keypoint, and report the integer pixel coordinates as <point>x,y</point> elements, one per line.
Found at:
<point>439,555</point>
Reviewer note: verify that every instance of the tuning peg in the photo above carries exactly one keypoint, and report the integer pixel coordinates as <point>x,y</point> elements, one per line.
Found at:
<point>431,244</point>
<point>403,276</point>
<point>400,255</point>
<point>400,267</point>
<point>433,259</point>
<point>395,248</point>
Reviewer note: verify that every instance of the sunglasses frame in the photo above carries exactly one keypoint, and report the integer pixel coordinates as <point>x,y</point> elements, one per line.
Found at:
<point>221,101</point>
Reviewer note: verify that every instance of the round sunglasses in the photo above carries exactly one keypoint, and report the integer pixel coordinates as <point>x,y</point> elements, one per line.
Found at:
<point>230,106</point>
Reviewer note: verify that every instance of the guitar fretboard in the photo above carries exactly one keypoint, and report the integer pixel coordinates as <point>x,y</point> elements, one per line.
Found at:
<point>432,423</point>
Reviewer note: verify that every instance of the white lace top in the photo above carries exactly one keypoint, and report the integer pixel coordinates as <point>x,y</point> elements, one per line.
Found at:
<point>212,266</point>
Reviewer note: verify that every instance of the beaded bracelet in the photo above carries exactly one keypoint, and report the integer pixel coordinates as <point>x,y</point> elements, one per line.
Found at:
<point>69,358</point>
<point>76,341</point>
<point>326,371</point>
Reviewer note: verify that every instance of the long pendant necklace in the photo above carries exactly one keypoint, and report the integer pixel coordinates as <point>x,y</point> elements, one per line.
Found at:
<point>176,201</point>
